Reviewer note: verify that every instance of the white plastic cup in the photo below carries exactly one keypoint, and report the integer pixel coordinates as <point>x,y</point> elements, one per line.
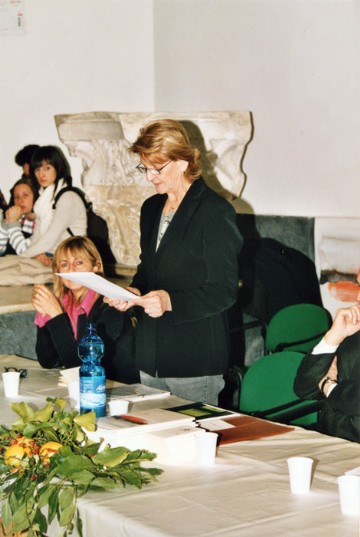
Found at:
<point>74,394</point>
<point>118,407</point>
<point>300,470</point>
<point>206,448</point>
<point>11,380</point>
<point>349,494</point>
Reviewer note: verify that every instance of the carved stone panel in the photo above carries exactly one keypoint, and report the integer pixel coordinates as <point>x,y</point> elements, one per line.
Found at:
<point>102,139</point>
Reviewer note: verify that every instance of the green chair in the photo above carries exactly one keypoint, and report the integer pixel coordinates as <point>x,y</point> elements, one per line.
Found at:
<point>267,391</point>
<point>298,327</point>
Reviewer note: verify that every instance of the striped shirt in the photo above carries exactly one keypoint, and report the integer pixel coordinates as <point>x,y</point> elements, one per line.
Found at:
<point>23,229</point>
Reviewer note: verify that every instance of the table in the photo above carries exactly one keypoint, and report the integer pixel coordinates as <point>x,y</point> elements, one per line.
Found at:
<point>245,494</point>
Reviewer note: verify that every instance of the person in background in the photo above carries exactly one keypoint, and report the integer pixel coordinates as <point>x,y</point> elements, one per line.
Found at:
<point>63,314</point>
<point>331,371</point>
<point>49,167</point>
<point>23,196</point>
<point>23,158</point>
<point>188,273</point>
<point>3,205</point>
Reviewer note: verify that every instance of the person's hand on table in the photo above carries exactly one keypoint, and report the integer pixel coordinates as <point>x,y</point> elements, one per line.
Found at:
<point>45,302</point>
<point>44,259</point>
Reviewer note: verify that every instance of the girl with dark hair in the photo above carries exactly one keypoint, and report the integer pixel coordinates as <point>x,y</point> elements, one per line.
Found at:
<point>62,316</point>
<point>24,193</point>
<point>51,171</point>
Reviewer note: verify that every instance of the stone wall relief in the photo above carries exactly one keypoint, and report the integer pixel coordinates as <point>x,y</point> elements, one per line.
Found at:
<point>109,178</point>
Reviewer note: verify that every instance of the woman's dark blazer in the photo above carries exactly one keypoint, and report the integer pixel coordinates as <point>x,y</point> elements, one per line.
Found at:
<point>56,345</point>
<point>197,264</point>
<point>340,415</point>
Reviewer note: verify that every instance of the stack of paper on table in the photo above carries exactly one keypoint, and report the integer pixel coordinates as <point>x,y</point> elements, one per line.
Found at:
<point>135,393</point>
<point>175,446</point>
<point>121,432</point>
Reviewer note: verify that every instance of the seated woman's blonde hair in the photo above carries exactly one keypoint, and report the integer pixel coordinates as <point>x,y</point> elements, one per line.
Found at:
<point>80,248</point>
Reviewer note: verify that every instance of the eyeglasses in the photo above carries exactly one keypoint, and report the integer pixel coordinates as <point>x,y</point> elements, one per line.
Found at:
<point>154,171</point>
<point>23,372</point>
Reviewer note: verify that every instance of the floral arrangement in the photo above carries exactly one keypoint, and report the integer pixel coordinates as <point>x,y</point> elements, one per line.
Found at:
<point>47,461</point>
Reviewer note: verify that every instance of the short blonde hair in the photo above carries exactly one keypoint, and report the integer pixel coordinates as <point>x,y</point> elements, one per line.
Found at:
<point>167,139</point>
<point>79,247</point>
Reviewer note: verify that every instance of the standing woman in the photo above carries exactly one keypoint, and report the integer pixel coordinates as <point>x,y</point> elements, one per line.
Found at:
<point>62,316</point>
<point>24,193</point>
<point>49,167</point>
<point>188,273</point>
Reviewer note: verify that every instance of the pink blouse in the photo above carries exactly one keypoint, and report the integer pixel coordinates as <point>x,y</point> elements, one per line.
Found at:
<point>72,309</point>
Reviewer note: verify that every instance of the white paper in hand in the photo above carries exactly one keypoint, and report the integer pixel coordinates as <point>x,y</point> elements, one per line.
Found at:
<point>100,285</point>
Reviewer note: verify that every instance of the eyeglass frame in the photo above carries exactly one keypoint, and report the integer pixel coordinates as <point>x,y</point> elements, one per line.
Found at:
<point>23,372</point>
<point>154,171</point>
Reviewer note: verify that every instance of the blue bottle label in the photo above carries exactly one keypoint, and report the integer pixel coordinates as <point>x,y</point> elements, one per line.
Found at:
<point>93,395</point>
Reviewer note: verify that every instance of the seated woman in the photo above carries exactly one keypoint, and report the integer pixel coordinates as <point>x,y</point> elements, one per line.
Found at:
<point>332,371</point>
<point>62,316</point>
<point>50,169</point>
<point>24,193</point>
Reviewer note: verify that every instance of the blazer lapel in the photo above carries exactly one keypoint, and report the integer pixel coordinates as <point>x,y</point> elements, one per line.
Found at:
<point>183,216</point>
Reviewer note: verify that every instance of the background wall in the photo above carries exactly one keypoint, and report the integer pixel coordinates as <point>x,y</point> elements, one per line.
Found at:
<point>292,63</point>
<point>80,56</point>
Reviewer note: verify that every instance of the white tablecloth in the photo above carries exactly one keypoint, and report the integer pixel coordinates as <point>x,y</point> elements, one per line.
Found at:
<point>245,494</point>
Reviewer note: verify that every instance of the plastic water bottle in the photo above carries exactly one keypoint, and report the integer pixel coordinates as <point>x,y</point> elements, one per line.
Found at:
<point>92,373</point>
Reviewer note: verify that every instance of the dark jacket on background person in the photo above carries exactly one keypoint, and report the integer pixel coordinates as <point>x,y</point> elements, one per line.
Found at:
<point>56,345</point>
<point>197,264</point>
<point>340,415</point>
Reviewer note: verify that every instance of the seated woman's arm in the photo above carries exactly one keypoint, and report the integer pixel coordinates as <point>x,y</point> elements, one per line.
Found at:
<point>17,239</point>
<point>4,238</point>
<point>56,345</point>
<point>117,332</point>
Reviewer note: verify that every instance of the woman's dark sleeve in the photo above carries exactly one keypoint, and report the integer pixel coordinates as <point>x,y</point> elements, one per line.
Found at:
<point>56,345</point>
<point>312,368</point>
<point>115,329</point>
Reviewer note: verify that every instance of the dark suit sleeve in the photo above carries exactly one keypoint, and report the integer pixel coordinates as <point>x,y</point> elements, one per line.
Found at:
<point>115,329</point>
<point>56,345</point>
<point>216,292</point>
<point>345,397</point>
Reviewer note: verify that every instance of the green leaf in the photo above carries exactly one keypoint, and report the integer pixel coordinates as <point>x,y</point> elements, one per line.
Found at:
<point>67,506</point>
<point>59,401</point>
<point>131,477</point>
<point>6,513</point>
<point>44,495</point>
<point>23,517</point>
<point>44,414</point>
<point>111,456</point>
<point>79,525</point>
<point>82,478</point>
<point>103,483</point>
<point>40,522</point>
<point>87,421</point>
<point>73,464</point>
<point>53,503</point>
<point>23,410</point>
